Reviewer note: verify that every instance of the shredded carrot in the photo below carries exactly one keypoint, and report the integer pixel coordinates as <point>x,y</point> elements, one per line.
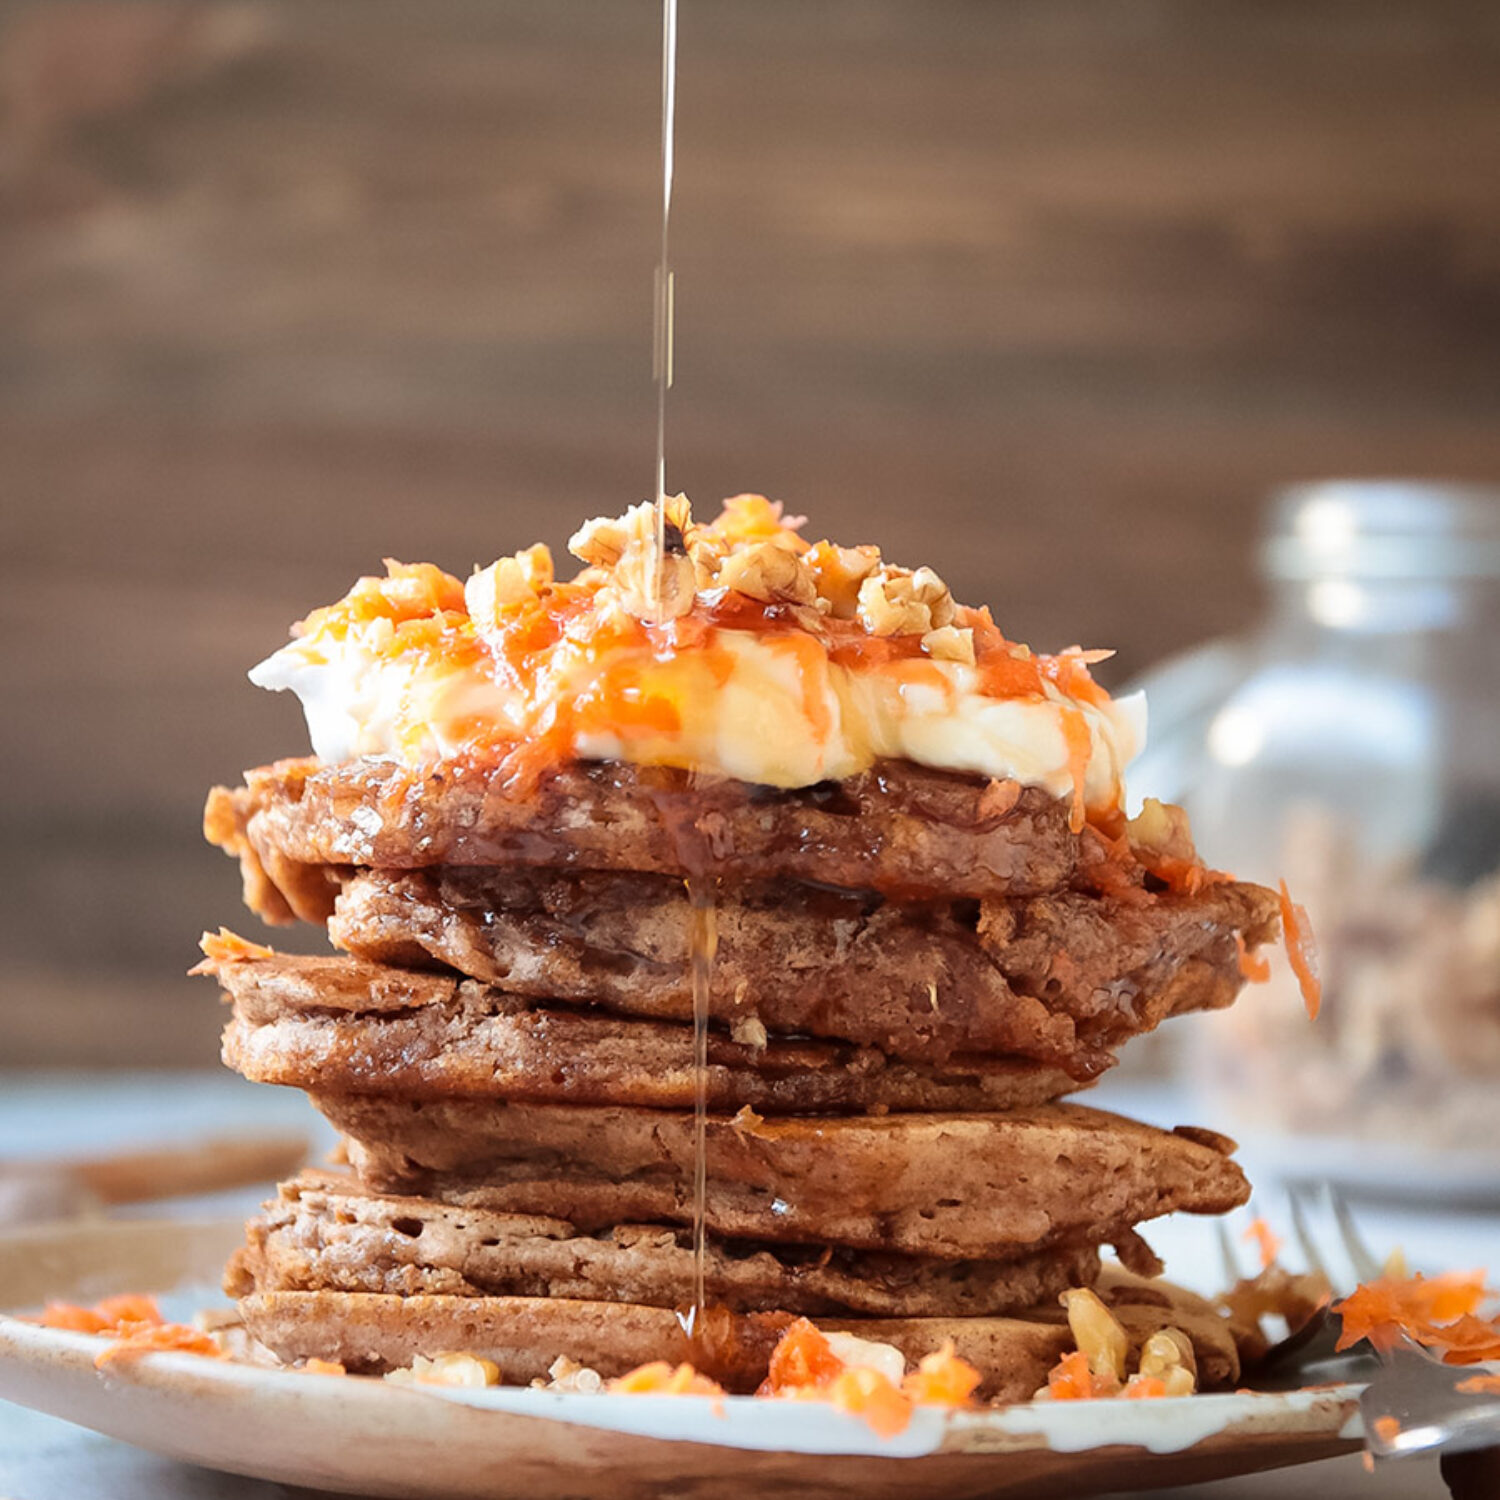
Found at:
<point>1253,966</point>
<point>1387,1429</point>
<point>1436,1311</point>
<point>1479,1385</point>
<point>942,1379</point>
<point>132,1309</point>
<point>226,947</point>
<point>322,1367</point>
<point>1302,950</point>
<point>1267,1241</point>
<point>149,1338</point>
<point>660,1379</point>
<point>1071,1379</point>
<point>1144,1387</point>
<point>801,1359</point>
<point>867,1393</point>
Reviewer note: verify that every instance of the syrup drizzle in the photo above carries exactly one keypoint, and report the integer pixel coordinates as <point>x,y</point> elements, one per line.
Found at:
<point>663,329</point>
<point>702,932</point>
<point>703,942</point>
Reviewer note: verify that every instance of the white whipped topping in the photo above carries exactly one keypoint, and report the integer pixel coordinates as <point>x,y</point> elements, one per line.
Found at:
<point>778,718</point>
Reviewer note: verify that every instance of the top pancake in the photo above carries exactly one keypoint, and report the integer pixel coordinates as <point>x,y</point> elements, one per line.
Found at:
<point>901,829</point>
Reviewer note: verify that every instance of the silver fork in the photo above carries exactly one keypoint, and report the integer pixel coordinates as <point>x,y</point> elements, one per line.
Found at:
<point>1313,1341</point>
<point>1413,1404</point>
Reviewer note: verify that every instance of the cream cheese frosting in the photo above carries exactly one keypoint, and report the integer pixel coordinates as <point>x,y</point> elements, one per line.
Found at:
<point>757,657</point>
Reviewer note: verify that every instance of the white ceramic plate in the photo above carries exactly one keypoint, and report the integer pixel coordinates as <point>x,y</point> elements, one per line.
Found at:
<point>364,1436</point>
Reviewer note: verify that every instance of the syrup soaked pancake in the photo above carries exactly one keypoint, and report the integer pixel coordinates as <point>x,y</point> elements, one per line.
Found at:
<point>347,1025</point>
<point>955,1186</point>
<point>1063,977</point>
<point>372,1332</point>
<point>899,828</point>
<point>326,1233</point>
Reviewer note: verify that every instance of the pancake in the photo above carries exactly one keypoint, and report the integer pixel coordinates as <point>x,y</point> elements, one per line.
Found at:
<point>371,1333</point>
<point>346,1025</point>
<point>1063,977</point>
<point>323,1232</point>
<point>954,1186</point>
<point>899,828</point>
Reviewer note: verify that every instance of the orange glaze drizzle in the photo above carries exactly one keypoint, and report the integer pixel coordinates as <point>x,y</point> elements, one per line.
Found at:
<point>1080,745</point>
<point>527,649</point>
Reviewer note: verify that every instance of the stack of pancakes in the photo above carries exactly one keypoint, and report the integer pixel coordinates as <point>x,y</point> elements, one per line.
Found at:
<point>910,967</point>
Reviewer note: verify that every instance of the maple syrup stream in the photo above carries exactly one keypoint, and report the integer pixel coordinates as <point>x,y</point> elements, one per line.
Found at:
<point>701,934</point>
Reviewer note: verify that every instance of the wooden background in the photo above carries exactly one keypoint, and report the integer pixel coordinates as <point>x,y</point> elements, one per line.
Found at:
<point>1044,294</point>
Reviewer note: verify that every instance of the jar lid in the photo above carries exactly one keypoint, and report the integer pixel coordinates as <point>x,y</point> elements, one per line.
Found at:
<point>1386,528</point>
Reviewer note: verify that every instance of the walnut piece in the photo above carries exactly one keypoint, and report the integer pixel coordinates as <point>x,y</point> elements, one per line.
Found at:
<point>493,591</point>
<point>768,572</point>
<point>894,601</point>
<point>949,643</point>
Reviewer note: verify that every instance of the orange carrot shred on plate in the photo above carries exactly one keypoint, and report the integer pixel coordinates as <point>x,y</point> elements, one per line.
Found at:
<point>942,1379</point>
<point>659,1378</point>
<point>1302,950</point>
<point>1479,1385</point>
<point>1267,1241</point>
<point>802,1359</point>
<point>108,1316</point>
<point>1070,1379</point>
<point>1386,1428</point>
<point>322,1367</point>
<point>154,1338</point>
<point>1144,1387</point>
<point>868,1393</point>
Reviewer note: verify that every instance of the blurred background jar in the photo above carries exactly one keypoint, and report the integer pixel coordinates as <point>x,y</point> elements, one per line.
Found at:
<point>1351,746</point>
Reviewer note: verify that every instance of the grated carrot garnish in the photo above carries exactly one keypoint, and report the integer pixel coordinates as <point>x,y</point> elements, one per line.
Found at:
<point>1267,1241</point>
<point>1071,1379</point>
<point>113,1314</point>
<point>1386,1428</point>
<point>1253,966</point>
<point>1144,1387</point>
<point>1435,1311</point>
<point>1479,1385</point>
<point>226,947</point>
<point>1302,950</point>
<point>802,1359</point>
<point>867,1393</point>
<point>322,1367</point>
<point>942,1379</point>
<point>151,1338</point>
<point>660,1379</point>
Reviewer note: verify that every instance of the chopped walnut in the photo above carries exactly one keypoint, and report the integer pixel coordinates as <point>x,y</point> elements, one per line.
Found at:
<point>568,1375</point>
<point>627,548</point>
<point>896,602</point>
<point>749,1031</point>
<point>837,574</point>
<point>447,1369</point>
<point>769,572</point>
<point>499,588</point>
<point>950,644</point>
<point>1163,829</point>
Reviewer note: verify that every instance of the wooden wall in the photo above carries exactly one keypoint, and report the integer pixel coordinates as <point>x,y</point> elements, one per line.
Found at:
<point>1046,295</point>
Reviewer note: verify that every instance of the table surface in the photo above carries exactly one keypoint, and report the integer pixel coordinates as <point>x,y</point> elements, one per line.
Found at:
<point>42,1458</point>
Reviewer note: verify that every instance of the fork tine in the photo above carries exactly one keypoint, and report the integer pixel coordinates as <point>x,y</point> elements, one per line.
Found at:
<point>1304,1235</point>
<point>1232,1272</point>
<point>1361,1257</point>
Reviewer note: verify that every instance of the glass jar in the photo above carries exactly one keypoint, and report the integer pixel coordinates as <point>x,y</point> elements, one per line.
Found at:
<point>1351,746</point>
